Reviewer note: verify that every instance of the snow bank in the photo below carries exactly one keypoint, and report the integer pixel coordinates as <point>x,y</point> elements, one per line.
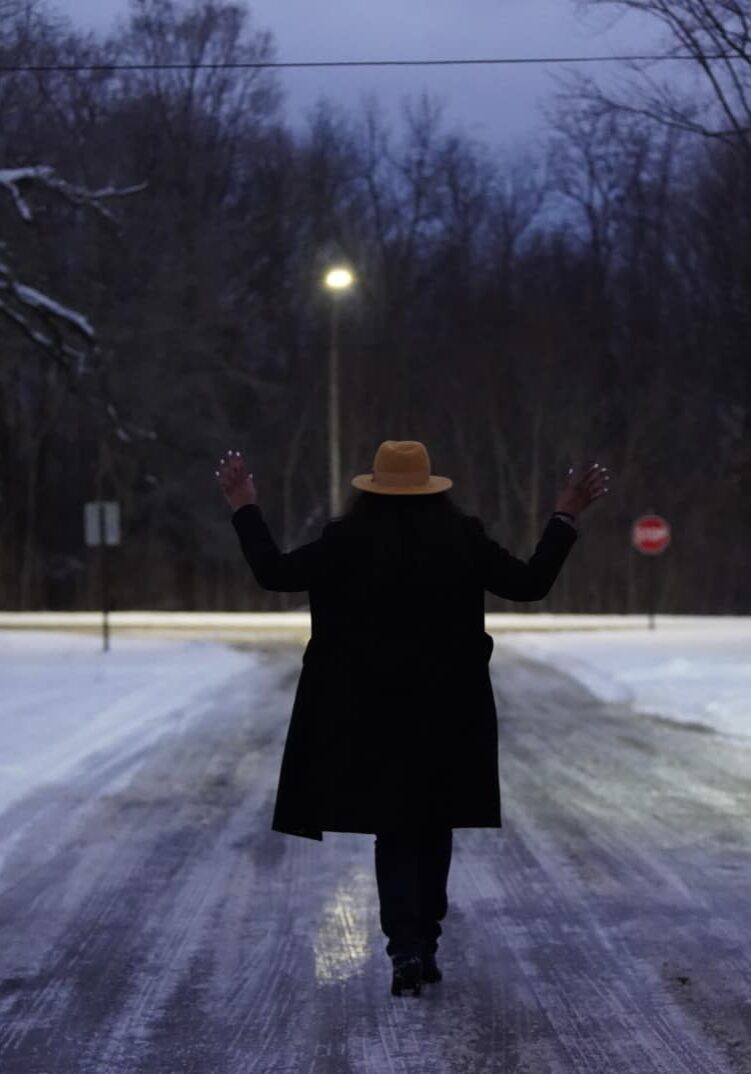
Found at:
<point>62,698</point>
<point>698,673</point>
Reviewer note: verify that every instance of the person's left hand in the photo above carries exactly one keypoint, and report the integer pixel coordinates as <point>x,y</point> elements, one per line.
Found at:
<point>235,481</point>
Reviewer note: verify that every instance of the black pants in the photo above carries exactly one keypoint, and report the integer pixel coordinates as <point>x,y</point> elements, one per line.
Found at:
<point>412,869</point>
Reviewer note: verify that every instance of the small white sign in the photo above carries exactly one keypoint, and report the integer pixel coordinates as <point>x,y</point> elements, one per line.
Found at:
<point>94,518</point>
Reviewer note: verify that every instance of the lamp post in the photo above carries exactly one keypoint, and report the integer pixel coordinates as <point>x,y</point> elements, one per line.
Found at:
<point>338,280</point>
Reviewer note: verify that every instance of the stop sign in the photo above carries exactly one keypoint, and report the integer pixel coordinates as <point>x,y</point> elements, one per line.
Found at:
<point>650,534</point>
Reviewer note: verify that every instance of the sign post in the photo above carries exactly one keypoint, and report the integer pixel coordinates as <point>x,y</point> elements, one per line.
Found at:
<point>650,535</point>
<point>101,519</point>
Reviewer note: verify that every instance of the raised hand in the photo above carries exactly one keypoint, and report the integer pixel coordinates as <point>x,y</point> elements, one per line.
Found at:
<point>235,481</point>
<point>579,492</point>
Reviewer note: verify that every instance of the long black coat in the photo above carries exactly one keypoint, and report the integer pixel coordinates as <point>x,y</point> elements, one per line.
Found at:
<point>394,717</point>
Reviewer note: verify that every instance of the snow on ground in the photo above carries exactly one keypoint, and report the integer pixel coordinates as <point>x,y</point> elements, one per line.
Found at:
<point>62,698</point>
<point>692,674</point>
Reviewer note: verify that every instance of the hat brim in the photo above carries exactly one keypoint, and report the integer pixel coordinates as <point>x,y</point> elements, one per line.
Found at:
<point>435,483</point>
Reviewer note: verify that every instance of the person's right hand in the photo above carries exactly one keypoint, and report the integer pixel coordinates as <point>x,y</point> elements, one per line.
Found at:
<point>580,492</point>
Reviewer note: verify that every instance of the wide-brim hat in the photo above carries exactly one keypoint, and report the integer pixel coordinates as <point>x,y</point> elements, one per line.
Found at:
<point>401,468</point>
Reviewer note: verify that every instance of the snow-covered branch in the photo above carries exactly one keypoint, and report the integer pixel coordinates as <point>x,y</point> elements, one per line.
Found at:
<point>44,321</point>
<point>18,300</point>
<point>25,305</point>
<point>12,179</point>
<point>31,297</point>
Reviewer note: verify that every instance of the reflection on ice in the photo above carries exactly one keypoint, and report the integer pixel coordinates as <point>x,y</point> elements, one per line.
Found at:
<point>341,942</point>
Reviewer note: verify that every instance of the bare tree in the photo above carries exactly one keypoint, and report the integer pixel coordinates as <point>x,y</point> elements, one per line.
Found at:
<point>63,333</point>
<point>64,336</point>
<point>716,35</point>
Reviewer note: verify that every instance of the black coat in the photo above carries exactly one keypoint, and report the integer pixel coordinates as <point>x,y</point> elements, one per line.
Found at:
<point>394,717</point>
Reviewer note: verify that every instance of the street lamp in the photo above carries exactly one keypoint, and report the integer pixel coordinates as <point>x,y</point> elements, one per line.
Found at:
<point>338,280</point>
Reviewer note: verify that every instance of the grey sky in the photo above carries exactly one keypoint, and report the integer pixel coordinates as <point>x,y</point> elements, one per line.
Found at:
<point>499,105</point>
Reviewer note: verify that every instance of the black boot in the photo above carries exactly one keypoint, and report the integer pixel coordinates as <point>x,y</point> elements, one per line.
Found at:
<point>407,974</point>
<point>430,971</point>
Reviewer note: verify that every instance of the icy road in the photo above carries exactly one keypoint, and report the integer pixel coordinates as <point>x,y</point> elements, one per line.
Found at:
<point>151,923</point>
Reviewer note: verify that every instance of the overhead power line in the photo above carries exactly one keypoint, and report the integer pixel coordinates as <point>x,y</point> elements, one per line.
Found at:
<point>16,68</point>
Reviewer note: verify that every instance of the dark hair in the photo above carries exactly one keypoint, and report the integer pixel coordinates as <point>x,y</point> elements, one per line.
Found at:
<point>413,534</point>
<point>374,505</point>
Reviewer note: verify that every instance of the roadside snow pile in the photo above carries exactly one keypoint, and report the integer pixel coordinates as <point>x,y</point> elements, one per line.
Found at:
<point>698,674</point>
<point>62,698</point>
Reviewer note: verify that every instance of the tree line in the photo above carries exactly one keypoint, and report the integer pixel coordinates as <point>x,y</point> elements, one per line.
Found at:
<point>163,234</point>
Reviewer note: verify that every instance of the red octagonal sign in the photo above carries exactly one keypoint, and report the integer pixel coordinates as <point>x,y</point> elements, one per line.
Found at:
<point>650,534</point>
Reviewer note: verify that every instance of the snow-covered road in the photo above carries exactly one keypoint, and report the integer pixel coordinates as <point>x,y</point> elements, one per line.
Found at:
<point>150,920</point>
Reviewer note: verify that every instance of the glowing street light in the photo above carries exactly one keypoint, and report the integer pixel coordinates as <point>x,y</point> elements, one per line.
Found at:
<point>339,279</point>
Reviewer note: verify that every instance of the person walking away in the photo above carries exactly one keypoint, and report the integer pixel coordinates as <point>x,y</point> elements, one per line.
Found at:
<point>393,729</point>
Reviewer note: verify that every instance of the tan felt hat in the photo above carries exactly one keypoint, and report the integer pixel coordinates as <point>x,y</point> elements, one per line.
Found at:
<point>401,468</point>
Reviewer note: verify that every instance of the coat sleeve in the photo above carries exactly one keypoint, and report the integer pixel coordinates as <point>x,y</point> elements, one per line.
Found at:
<point>513,579</point>
<point>281,572</point>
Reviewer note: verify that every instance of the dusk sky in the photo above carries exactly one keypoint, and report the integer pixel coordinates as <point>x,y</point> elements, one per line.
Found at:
<point>499,105</point>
